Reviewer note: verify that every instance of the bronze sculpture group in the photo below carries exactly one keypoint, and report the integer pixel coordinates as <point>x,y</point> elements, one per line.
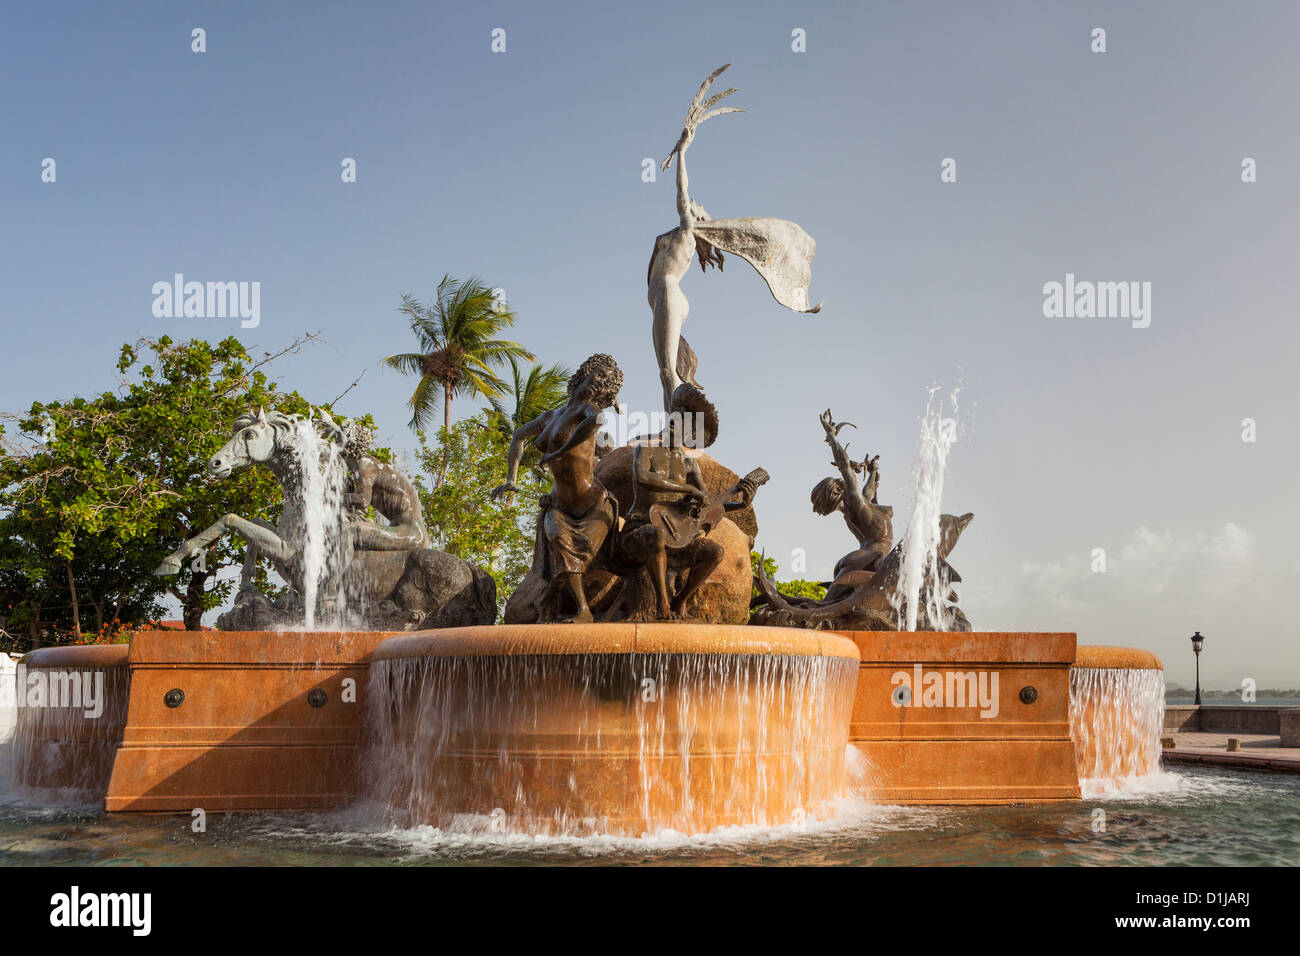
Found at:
<point>650,556</point>
<point>864,594</point>
<point>645,553</point>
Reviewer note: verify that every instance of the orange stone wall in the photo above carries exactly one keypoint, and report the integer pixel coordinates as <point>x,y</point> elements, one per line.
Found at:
<point>246,736</point>
<point>950,754</point>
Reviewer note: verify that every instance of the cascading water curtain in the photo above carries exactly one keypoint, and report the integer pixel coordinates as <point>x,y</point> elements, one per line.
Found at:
<point>1116,719</point>
<point>63,754</point>
<point>626,744</point>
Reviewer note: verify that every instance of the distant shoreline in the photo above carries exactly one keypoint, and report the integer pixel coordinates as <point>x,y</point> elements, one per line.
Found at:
<point>1236,701</point>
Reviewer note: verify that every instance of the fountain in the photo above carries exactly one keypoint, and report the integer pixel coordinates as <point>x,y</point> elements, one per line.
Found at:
<point>623,729</point>
<point>1117,713</point>
<point>627,696</point>
<point>71,707</point>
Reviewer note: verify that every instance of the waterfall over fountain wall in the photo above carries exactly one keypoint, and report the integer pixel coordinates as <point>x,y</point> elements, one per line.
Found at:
<point>62,748</point>
<point>1116,717</point>
<point>469,734</point>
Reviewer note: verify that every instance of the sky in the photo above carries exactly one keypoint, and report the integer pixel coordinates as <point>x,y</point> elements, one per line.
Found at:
<point>525,167</point>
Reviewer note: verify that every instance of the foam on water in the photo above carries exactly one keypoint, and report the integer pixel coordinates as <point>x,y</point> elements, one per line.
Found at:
<point>850,814</point>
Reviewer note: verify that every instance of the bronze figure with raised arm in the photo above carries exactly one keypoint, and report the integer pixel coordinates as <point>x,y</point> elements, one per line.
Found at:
<point>870,522</point>
<point>579,515</point>
<point>778,249</point>
<point>673,511</point>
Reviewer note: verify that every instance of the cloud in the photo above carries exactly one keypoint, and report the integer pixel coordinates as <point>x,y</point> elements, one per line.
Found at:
<point>1152,564</point>
<point>1149,570</point>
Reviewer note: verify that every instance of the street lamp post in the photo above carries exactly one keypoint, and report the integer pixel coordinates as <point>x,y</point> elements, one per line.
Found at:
<point>1197,641</point>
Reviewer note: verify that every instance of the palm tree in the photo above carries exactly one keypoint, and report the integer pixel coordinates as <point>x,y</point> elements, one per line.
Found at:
<point>459,347</point>
<point>541,390</point>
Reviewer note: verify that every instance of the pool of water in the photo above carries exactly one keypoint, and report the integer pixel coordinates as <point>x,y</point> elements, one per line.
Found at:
<point>1190,816</point>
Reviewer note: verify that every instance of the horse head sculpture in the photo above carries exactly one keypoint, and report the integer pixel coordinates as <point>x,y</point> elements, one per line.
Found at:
<point>257,440</point>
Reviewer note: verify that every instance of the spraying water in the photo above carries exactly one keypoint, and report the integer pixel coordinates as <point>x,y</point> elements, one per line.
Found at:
<point>325,543</point>
<point>918,577</point>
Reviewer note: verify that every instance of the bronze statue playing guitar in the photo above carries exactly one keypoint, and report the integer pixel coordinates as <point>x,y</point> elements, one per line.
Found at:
<point>672,511</point>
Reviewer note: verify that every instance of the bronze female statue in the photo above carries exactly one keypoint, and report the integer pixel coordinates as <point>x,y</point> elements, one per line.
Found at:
<point>579,515</point>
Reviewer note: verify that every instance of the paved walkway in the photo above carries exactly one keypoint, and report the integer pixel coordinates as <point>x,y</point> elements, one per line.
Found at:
<point>1258,751</point>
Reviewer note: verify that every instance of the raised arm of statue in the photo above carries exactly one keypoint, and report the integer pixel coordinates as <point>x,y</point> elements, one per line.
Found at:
<point>841,457</point>
<point>872,484</point>
<point>700,110</point>
<point>516,453</point>
<point>685,216</point>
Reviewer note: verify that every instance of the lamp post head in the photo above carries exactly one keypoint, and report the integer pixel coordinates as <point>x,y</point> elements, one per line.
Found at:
<point>1197,641</point>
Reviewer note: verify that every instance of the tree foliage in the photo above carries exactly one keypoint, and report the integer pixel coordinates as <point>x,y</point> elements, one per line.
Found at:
<point>463,520</point>
<point>459,347</point>
<point>95,492</point>
<point>795,588</point>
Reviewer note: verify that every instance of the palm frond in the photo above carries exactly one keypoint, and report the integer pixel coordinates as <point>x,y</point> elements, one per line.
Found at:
<point>459,335</point>
<point>410,363</point>
<point>424,402</point>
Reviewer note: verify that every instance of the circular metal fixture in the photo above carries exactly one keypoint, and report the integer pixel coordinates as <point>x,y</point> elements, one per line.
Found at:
<point>1028,694</point>
<point>174,697</point>
<point>902,695</point>
<point>317,698</point>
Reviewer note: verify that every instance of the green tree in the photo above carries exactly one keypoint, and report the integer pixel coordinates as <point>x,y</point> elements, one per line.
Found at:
<point>459,347</point>
<point>97,491</point>
<point>462,517</point>
<point>796,588</point>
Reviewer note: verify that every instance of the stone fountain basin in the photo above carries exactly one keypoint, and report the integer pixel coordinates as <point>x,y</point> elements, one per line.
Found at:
<point>318,721</point>
<point>618,729</point>
<point>1117,705</point>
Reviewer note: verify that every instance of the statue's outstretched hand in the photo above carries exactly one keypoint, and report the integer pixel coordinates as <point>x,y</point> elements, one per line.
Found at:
<point>828,423</point>
<point>508,488</point>
<point>683,141</point>
<point>833,429</point>
<point>701,109</point>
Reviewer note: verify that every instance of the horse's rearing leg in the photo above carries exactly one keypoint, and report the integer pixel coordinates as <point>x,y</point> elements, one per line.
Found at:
<point>265,539</point>
<point>252,554</point>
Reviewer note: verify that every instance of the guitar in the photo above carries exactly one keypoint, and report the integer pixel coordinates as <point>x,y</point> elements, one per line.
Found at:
<point>703,514</point>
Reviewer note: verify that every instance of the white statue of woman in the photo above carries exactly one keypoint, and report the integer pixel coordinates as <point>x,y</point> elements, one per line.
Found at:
<point>778,249</point>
